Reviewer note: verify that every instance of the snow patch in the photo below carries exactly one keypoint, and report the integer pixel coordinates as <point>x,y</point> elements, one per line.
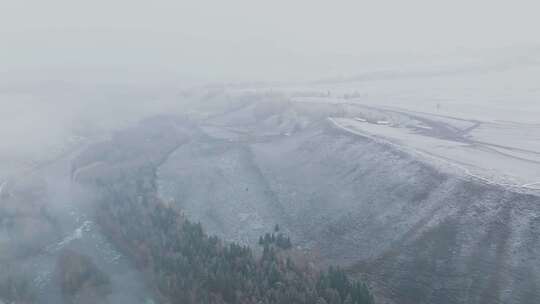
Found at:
<point>75,235</point>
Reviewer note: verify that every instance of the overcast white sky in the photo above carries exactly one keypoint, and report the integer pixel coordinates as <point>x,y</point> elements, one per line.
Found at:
<point>242,39</point>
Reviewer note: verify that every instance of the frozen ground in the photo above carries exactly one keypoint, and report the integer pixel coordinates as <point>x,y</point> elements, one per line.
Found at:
<point>385,176</point>
<point>500,153</point>
<point>481,122</point>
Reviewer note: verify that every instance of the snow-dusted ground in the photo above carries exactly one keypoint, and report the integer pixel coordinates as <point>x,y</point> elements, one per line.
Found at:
<point>509,93</point>
<point>482,158</point>
<point>481,122</point>
<point>361,197</point>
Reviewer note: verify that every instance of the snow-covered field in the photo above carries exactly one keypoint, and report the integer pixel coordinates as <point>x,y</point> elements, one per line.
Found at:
<point>507,95</point>
<point>481,122</point>
<point>488,161</point>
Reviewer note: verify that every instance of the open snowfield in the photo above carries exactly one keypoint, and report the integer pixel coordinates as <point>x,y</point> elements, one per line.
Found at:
<point>511,94</point>
<point>489,161</point>
<point>482,122</point>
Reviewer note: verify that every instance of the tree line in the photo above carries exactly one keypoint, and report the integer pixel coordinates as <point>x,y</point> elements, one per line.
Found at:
<point>185,265</point>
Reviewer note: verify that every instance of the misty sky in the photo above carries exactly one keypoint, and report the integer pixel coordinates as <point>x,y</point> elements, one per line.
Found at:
<point>248,40</point>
